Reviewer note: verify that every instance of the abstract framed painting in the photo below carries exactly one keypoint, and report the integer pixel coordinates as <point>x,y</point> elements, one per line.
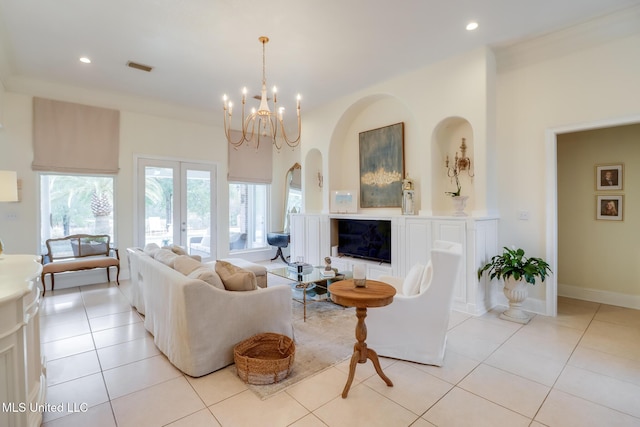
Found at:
<point>382,166</point>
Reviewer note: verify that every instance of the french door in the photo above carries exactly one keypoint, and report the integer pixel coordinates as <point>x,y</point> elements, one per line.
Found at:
<point>178,205</point>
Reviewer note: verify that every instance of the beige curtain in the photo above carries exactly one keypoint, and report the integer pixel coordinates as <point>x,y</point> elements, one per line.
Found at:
<point>75,138</point>
<point>246,164</point>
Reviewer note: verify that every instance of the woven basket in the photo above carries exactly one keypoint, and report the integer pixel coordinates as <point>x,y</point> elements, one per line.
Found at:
<point>265,358</point>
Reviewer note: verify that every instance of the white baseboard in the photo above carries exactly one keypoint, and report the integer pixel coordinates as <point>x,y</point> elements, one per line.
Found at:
<point>600,296</point>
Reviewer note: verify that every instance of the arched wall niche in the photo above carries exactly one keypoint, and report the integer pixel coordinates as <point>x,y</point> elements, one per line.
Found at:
<point>446,140</point>
<point>313,181</point>
<point>368,113</point>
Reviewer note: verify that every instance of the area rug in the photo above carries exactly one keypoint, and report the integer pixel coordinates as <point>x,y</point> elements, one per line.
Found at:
<point>324,340</point>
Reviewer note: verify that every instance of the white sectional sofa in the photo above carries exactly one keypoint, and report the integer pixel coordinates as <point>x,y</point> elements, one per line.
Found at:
<point>196,324</point>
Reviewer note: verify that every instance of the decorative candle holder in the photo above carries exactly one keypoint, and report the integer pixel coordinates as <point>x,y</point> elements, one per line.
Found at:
<point>359,275</point>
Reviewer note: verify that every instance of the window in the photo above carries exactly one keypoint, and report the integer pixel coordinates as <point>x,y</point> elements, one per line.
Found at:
<point>248,216</point>
<point>75,204</point>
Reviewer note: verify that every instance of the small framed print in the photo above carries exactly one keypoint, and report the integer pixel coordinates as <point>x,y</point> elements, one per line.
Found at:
<point>609,208</point>
<point>343,202</point>
<point>609,177</point>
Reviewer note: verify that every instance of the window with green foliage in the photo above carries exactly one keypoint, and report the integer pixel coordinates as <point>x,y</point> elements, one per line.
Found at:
<point>75,204</point>
<point>248,210</point>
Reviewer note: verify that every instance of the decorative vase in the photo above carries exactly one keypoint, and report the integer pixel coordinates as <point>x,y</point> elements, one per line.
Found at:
<point>516,292</point>
<point>459,203</point>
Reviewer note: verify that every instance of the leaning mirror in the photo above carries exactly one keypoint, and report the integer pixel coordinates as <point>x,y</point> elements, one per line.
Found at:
<point>292,194</point>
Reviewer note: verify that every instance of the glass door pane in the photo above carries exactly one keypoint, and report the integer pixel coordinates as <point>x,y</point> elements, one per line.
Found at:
<point>159,214</point>
<point>197,207</point>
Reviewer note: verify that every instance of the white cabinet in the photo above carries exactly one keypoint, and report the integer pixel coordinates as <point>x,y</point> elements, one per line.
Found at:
<point>376,270</point>
<point>22,374</point>
<point>416,244</point>
<point>342,264</point>
<point>412,239</point>
<point>373,269</point>
<point>310,238</point>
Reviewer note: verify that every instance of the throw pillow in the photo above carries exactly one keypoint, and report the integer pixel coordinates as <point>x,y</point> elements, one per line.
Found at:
<point>165,256</point>
<point>426,277</point>
<point>151,249</point>
<point>236,278</point>
<point>411,284</point>
<point>185,264</point>
<point>207,275</point>
<point>178,250</point>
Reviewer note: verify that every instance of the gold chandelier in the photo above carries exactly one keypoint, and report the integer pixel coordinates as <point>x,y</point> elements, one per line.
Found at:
<point>261,123</point>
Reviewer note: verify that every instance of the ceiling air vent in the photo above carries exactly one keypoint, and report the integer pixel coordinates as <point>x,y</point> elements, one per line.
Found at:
<point>139,66</point>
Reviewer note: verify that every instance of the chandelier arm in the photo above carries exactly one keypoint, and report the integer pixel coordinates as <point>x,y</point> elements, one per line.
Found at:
<point>250,120</point>
<point>227,132</point>
<point>272,120</point>
<point>227,128</point>
<point>291,143</point>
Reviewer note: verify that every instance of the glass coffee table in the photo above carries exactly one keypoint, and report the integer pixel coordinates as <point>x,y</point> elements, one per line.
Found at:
<point>308,287</point>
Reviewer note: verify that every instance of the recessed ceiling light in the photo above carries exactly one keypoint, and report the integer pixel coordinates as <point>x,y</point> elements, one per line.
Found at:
<point>85,60</point>
<point>472,26</point>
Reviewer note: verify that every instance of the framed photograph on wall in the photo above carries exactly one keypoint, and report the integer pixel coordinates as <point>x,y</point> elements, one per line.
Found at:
<point>609,208</point>
<point>382,166</point>
<point>609,177</point>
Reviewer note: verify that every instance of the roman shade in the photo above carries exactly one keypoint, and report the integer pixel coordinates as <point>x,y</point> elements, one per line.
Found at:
<point>246,164</point>
<point>75,138</point>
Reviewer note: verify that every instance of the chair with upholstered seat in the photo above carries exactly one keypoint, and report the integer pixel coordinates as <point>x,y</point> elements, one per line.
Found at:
<point>414,326</point>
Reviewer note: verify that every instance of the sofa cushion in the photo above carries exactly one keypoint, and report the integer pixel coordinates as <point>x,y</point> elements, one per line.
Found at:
<point>235,278</point>
<point>411,284</point>
<point>185,264</point>
<point>208,275</point>
<point>151,249</point>
<point>165,256</point>
<point>178,250</point>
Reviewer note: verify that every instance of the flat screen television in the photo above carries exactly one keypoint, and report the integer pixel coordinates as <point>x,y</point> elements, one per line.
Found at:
<point>365,238</point>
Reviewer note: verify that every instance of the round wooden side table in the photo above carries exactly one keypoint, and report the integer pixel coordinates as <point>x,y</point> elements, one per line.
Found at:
<point>374,294</point>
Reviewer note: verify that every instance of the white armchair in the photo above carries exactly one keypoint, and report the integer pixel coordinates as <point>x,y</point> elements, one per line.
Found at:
<point>414,326</point>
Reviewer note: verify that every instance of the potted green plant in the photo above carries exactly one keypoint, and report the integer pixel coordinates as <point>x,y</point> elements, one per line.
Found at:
<point>516,270</point>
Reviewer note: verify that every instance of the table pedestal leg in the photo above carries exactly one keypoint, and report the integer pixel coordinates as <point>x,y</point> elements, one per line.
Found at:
<point>361,353</point>
<point>279,254</point>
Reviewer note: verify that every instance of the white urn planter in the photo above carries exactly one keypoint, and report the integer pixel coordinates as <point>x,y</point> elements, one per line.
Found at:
<point>516,292</point>
<point>459,204</point>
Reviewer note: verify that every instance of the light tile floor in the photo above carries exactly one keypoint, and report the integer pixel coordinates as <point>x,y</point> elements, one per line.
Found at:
<point>581,368</point>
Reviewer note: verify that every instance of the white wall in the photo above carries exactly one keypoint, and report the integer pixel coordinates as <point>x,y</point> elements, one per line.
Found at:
<point>140,134</point>
<point>591,84</point>
<point>457,87</point>
<point>585,75</point>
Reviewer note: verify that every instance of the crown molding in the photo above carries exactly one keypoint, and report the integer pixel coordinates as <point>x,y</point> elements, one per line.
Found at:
<point>601,30</point>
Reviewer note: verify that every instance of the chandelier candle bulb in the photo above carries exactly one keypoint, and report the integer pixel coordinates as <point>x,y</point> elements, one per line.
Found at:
<point>261,123</point>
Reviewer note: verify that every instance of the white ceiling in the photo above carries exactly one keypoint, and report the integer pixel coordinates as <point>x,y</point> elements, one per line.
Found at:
<point>201,49</point>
